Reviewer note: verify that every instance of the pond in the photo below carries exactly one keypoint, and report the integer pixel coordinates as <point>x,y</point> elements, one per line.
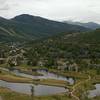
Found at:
<point>55,76</point>
<point>46,75</point>
<point>36,90</point>
<point>95,92</point>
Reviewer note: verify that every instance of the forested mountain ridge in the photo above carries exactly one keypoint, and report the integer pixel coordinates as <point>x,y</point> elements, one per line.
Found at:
<point>91,25</point>
<point>26,27</point>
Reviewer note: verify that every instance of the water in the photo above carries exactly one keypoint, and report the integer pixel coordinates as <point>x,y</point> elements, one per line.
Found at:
<point>37,90</point>
<point>46,75</point>
<point>95,92</point>
<point>49,75</point>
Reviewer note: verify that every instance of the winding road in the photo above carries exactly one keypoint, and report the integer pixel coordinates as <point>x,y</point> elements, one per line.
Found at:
<point>75,86</point>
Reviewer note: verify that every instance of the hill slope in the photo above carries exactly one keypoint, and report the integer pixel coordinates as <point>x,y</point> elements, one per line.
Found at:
<point>27,27</point>
<point>63,46</point>
<point>92,37</point>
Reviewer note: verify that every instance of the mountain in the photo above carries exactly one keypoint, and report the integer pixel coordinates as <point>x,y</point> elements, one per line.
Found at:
<point>90,25</point>
<point>26,27</point>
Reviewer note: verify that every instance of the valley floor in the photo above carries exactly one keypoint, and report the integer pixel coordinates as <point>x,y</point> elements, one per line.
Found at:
<point>83,81</point>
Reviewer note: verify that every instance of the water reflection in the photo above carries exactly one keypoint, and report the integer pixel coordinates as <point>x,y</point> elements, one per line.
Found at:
<point>95,92</point>
<point>33,90</point>
<point>46,75</point>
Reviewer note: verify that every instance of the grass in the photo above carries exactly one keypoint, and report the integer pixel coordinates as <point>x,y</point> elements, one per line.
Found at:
<point>51,82</point>
<point>16,79</point>
<point>59,72</point>
<point>12,78</point>
<point>96,98</point>
<point>29,71</point>
<point>73,74</point>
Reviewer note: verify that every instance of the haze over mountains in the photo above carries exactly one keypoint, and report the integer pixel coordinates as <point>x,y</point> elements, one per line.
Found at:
<point>91,25</point>
<point>27,27</point>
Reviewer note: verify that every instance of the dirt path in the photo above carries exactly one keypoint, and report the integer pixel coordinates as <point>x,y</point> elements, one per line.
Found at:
<point>0,98</point>
<point>75,86</point>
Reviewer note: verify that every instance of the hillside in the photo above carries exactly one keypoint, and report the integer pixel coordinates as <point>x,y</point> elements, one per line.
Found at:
<point>64,46</point>
<point>26,27</point>
<point>92,37</point>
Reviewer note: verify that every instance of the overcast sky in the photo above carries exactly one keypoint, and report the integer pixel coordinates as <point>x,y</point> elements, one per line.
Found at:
<point>77,10</point>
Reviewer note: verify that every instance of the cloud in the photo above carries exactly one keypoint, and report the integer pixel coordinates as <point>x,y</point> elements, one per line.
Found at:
<point>84,10</point>
<point>4,8</point>
<point>3,5</point>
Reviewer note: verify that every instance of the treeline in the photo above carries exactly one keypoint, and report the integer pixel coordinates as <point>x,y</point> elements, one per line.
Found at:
<point>62,48</point>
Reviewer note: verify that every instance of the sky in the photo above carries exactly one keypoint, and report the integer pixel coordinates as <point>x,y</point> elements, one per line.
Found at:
<point>62,10</point>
